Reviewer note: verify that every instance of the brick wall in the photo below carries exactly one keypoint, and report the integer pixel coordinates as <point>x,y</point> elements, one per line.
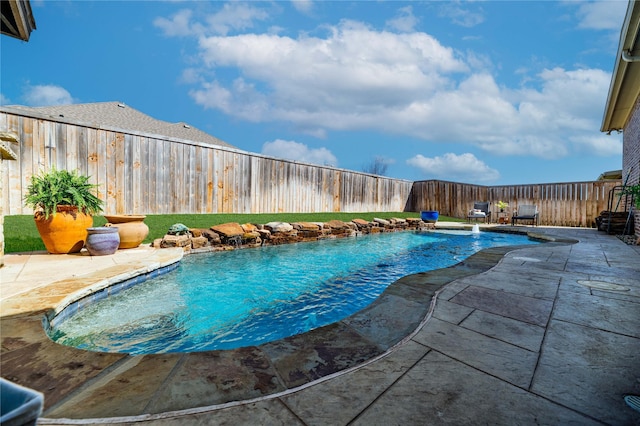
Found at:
<point>631,154</point>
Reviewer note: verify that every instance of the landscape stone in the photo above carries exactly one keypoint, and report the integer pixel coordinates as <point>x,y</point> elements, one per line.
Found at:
<point>195,232</point>
<point>305,226</point>
<point>250,236</point>
<point>249,227</point>
<point>228,230</point>
<point>175,241</point>
<point>279,227</point>
<point>361,222</point>
<point>337,224</point>
<point>199,242</point>
<point>212,236</point>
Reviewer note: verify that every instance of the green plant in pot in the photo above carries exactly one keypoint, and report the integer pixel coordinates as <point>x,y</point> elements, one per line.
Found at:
<point>502,205</point>
<point>64,203</point>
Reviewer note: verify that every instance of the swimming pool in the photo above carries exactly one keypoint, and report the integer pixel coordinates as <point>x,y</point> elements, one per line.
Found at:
<point>249,297</point>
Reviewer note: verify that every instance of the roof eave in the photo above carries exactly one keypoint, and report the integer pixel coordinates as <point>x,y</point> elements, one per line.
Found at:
<point>17,19</point>
<point>625,81</point>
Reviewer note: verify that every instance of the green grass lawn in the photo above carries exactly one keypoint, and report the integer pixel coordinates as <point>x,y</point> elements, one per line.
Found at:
<point>21,234</point>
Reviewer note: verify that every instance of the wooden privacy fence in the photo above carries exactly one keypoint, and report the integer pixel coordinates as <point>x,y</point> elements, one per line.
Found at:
<point>139,173</point>
<point>559,204</point>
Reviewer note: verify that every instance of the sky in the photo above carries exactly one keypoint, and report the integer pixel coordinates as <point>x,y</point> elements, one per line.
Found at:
<point>481,92</point>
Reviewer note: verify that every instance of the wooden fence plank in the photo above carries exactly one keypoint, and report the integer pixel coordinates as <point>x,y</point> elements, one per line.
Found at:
<point>110,170</point>
<point>59,133</point>
<point>25,153</point>
<point>144,204</point>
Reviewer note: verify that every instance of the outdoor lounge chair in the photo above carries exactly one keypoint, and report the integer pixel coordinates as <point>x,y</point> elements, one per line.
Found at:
<point>480,211</point>
<point>525,212</point>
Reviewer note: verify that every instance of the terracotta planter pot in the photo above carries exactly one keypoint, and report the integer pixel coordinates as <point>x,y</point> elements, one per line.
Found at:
<point>102,240</point>
<point>131,228</point>
<point>65,232</point>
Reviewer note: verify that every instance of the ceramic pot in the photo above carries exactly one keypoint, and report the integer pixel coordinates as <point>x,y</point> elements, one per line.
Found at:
<point>65,232</point>
<point>429,216</point>
<point>131,228</point>
<point>102,240</point>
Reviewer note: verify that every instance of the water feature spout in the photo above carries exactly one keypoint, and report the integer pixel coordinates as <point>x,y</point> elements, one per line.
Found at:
<point>235,241</point>
<point>475,229</point>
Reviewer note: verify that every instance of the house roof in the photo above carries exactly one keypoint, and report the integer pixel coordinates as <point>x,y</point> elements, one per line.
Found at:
<point>17,19</point>
<point>625,82</point>
<point>119,116</point>
<point>611,175</point>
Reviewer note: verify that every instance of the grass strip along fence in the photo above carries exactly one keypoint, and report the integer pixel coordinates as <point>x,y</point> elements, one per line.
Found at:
<point>21,235</point>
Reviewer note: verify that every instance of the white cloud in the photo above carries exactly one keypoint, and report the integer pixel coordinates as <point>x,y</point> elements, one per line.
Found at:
<point>235,16</point>
<point>296,151</point>
<point>567,98</point>
<point>178,25</point>
<point>463,16</point>
<point>343,81</point>
<point>191,76</point>
<point>232,16</point>
<point>303,6</point>
<point>460,168</point>
<point>4,100</point>
<point>602,145</point>
<point>405,21</point>
<point>409,84</point>
<point>46,95</point>
<point>241,99</point>
<point>601,15</point>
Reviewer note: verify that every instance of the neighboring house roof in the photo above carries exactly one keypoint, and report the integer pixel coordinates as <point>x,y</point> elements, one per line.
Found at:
<point>611,175</point>
<point>625,82</point>
<point>120,116</point>
<point>17,19</point>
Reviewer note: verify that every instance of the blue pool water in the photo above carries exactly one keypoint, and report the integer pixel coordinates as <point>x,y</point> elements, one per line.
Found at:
<point>247,297</point>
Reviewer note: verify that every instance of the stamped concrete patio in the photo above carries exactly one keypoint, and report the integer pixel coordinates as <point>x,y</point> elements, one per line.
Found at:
<point>546,334</point>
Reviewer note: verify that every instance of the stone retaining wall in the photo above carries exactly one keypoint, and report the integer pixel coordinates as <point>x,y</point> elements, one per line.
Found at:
<point>229,236</point>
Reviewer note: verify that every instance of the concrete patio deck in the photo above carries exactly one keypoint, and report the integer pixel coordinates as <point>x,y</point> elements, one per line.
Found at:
<point>546,334</point>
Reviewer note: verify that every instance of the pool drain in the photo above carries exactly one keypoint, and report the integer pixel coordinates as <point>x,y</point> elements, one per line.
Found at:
<point>603,285</point>
<point>633,401</point>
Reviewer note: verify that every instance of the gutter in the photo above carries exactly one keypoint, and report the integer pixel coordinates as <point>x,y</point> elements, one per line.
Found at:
<point>628,57</point>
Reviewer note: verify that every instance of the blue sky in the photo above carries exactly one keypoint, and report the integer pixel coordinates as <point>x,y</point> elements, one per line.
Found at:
<point>485,92</point>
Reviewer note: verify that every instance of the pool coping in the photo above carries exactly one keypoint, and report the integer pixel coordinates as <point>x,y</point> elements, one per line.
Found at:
<point>265,371</point>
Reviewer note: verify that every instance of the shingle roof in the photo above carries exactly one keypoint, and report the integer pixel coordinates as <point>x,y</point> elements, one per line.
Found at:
<point>120,116</point>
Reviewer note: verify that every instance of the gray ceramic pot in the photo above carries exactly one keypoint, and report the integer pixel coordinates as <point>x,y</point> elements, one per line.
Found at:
<point>102,240</point>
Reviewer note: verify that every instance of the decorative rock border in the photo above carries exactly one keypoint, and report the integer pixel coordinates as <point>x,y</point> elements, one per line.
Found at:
<point>229,236</point>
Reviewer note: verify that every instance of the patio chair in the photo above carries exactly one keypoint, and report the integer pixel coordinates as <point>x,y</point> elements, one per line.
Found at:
<point>479,211</point>
<point>525,212</point>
